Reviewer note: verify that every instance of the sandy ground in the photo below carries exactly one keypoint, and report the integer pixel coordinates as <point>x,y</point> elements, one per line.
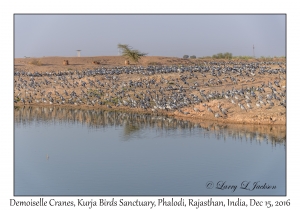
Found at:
<point>83,63</point>
<point>263,115</point>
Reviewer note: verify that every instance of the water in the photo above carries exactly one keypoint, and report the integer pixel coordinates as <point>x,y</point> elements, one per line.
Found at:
<point>92,152</point>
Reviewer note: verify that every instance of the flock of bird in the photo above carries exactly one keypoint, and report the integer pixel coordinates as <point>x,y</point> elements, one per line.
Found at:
<point>248,86</point>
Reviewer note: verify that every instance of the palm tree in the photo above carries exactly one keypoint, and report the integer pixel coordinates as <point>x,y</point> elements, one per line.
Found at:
<point>130,53</point>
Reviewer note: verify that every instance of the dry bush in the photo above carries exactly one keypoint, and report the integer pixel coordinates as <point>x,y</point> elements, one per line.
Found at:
<point>35,62</point>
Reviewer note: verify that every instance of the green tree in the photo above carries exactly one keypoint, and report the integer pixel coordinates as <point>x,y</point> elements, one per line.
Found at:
<point>129,53</point>
<point>186,56</point>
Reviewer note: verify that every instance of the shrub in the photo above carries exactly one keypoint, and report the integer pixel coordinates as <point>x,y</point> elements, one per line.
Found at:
<point>193,56</point>
<point>35,62</point>
<point>185,56</point>
<point>226,55</point>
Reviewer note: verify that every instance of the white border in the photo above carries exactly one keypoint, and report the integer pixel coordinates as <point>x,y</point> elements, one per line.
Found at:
<point>156,6</point>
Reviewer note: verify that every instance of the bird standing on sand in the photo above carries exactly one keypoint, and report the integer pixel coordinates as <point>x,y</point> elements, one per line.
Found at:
<point>196,109</point>
<point>217,115</point>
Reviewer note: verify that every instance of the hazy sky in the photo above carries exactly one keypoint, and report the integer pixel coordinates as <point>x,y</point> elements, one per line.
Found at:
<point>164,35</point>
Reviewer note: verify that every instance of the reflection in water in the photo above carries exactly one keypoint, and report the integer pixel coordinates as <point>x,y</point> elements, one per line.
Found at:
<point>134,122</point>
<point>130,128</point>
<point>60,151</point>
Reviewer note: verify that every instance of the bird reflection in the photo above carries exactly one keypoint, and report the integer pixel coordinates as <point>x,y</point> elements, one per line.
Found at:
<point>134,122</point>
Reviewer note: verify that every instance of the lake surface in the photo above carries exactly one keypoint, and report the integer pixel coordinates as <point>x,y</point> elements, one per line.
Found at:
<point>61,151</point>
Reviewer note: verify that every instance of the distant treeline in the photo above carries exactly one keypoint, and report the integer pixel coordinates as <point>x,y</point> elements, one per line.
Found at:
<point>187,56</point>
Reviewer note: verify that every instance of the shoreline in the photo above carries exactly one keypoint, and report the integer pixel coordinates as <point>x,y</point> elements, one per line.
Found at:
<point>97,118</point>
<point>176,114</point>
